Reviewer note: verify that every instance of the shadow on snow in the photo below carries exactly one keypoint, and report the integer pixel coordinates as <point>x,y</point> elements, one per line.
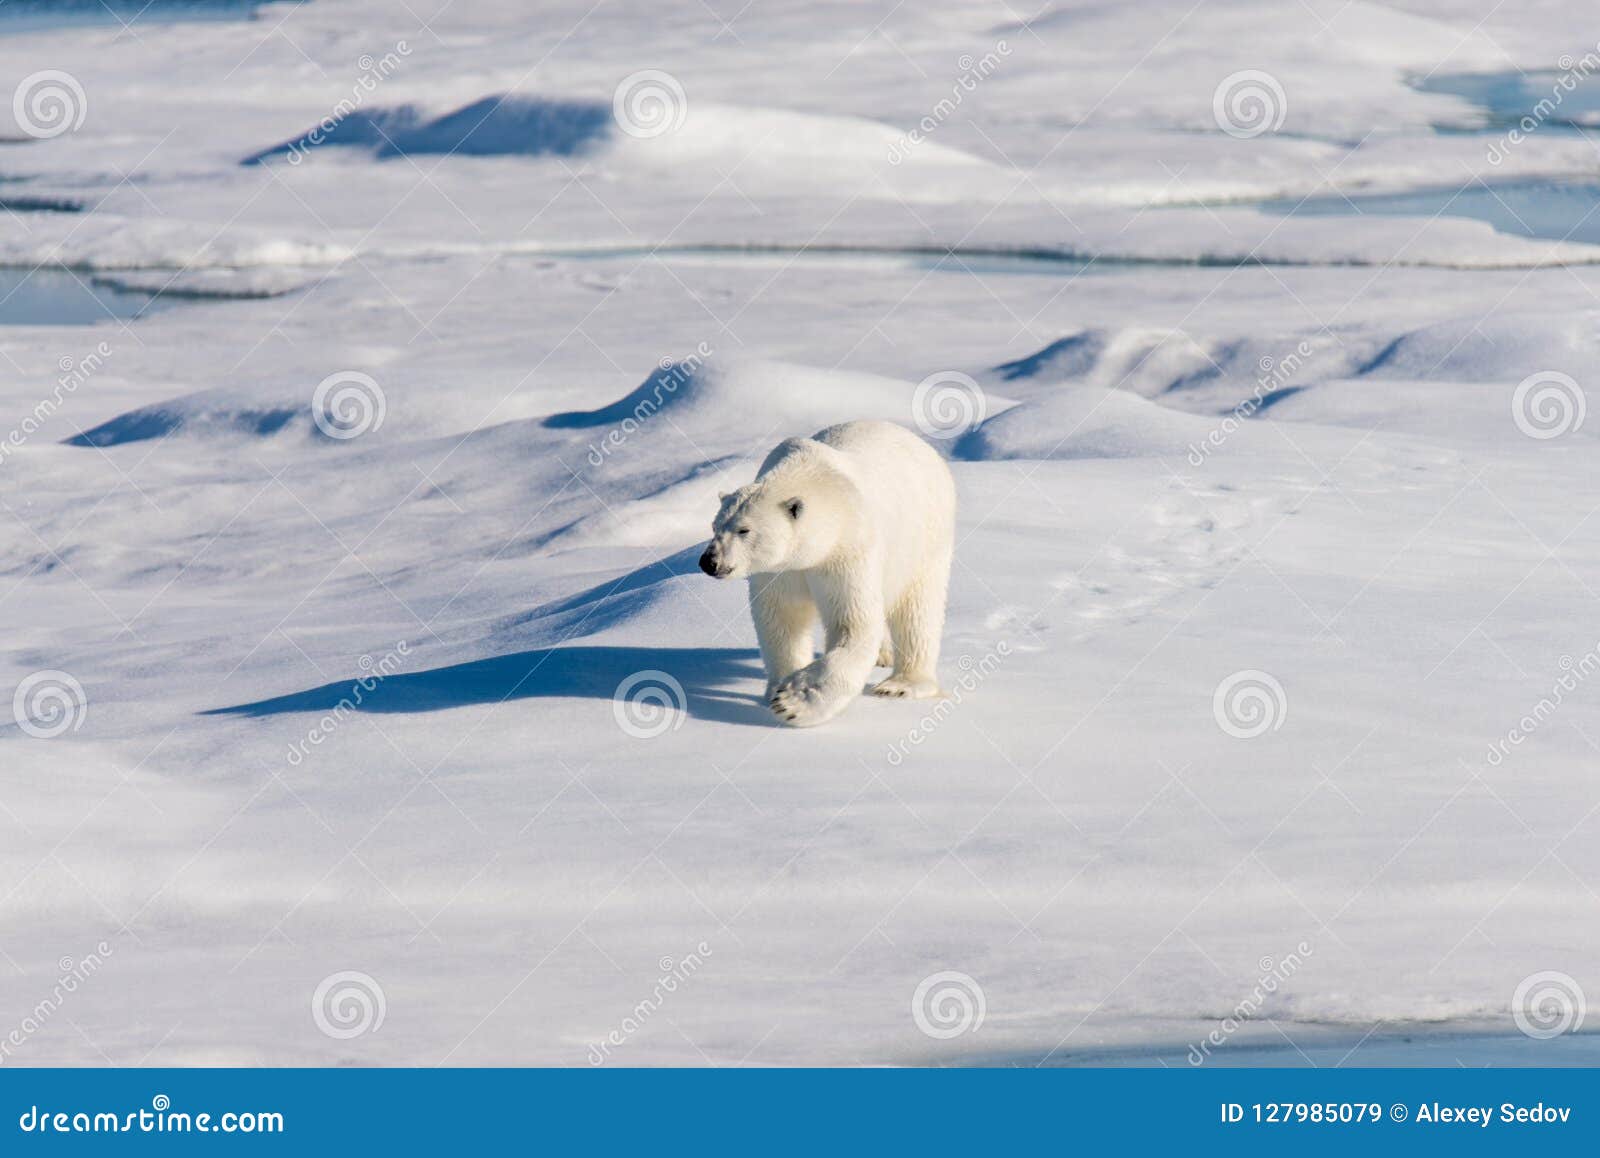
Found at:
<point>707,675</point>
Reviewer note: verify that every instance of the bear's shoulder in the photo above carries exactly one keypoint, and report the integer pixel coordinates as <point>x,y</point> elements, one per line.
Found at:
<point>872,437</point>
<point>794,453</point>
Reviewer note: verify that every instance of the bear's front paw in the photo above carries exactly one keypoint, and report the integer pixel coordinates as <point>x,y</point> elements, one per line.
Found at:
<point>800,701</point>
<point>907,688</point>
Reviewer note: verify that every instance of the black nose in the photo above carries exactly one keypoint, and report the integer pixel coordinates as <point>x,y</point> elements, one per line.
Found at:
<point>708,564</point>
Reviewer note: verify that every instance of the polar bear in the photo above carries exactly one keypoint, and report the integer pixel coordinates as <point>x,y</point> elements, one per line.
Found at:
<point>855,526</point>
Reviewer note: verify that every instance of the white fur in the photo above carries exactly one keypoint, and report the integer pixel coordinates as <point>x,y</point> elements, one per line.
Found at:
<point>867,555</point>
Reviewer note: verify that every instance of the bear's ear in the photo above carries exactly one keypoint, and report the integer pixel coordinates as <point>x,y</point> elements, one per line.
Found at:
<point>794,507</point>
<point>723,496</point>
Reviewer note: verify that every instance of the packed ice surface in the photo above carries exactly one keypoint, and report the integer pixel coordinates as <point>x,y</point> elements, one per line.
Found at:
<point>1223,459</point>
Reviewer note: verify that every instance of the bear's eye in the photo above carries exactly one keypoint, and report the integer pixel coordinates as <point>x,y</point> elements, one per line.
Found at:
<point>743,531</point>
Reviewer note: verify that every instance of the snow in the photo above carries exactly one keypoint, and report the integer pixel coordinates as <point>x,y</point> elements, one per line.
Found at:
<point>1217,437</point>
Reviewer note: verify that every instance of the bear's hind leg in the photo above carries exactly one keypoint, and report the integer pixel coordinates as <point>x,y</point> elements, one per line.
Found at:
<point>916,625</point>
<point>785,617</point>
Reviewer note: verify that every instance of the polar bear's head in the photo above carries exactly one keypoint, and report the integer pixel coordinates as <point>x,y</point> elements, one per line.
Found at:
<point>759,528</point>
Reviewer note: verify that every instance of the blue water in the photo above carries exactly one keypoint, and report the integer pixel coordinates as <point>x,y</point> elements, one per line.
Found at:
<point>1504,98</point>
<point>1551,210</point>
<point>1498,103</point>
<point>47,297</point>
<point>17,16</point>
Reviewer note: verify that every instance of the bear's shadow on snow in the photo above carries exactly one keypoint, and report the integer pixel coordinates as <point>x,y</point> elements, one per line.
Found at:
<point>709,677</point>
